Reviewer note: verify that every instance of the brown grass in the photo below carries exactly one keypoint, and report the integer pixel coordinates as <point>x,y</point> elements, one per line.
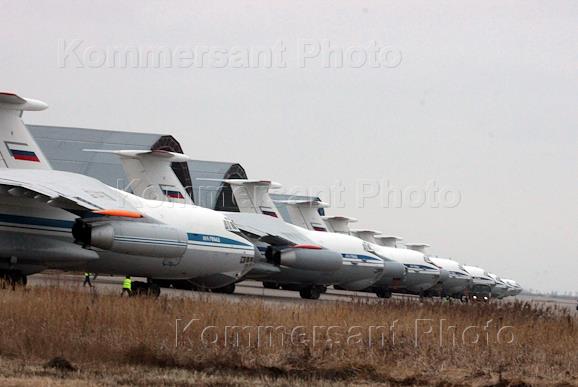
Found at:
<point>114,340</point>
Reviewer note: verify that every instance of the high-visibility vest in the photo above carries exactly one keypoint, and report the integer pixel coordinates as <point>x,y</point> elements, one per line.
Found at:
<point>126,284</point>
<point>87,274</point>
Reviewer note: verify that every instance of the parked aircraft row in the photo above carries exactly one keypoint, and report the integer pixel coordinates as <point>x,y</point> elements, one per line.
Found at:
<point>60,220</point>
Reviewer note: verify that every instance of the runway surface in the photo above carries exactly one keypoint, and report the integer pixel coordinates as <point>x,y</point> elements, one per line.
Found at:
<point>254,290</point>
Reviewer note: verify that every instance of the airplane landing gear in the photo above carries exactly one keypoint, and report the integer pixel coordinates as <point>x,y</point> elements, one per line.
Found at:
<point>140,288</point>
<point>382,293</point>
<point>311,292</point>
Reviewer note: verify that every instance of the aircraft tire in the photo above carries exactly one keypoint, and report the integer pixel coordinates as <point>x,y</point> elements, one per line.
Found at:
<point>154,290</point>
<point>382,293</point>
<point>310,293</point>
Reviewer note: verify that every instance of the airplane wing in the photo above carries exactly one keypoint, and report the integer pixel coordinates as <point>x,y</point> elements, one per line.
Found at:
<point>268,229</point>
<point>151,175</point>
<point>69,191</point>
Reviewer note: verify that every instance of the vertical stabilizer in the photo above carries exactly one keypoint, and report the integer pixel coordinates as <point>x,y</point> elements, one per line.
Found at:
<point>18,150</point>
<point>304,213</point>
<point>151,175</point>
<point>252,196</point>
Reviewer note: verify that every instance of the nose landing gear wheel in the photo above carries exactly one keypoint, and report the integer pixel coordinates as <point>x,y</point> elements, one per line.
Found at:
<point>311,293</point>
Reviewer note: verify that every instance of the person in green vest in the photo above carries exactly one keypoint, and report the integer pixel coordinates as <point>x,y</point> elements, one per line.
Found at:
<point>126,286</point>
<point>87,280</point>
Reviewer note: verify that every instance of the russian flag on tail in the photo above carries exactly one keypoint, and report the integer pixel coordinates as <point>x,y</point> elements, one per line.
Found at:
<point>21,151</point>
<point>171,192</point>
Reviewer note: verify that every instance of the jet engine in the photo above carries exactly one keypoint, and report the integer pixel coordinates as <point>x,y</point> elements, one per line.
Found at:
<point>133,238</point>
<point>305,257</point>
<point>394,271</point>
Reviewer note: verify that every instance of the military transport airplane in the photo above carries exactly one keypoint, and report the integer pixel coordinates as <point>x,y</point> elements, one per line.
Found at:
<point>290,256</point>
<point>55,219</point>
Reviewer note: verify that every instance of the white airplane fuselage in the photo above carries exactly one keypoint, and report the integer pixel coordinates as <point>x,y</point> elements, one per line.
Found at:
<point>361,268</point>
<point>420,274</point>
<point>36,236</point>
<point>356,270</point>
<point>482,283</point>
<point>458,281</point>
<point>514,288</point>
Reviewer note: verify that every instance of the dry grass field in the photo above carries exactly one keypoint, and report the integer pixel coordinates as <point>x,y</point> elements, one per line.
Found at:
<point>110,340</point>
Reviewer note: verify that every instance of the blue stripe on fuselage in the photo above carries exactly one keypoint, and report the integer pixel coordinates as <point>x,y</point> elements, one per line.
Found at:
<point>360,257</point>
<point>34,221</point>
<point>215,239</point>
<point>40,223</point>
<point>420,267</point>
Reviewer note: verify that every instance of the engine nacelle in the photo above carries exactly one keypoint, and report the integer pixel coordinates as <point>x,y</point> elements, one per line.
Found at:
<point>314,259</point>
<point>394,270</point>
<point>133,238</point>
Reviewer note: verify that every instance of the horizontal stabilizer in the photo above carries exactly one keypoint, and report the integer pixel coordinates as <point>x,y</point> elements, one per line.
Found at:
<point>134,154</point>
<point>10,101</point>
<point>339,224</point>
<point>387,240</point>
<point>269,183</point>
<point>421,247</point>
<point>311,203</point>
<point>365,234</point>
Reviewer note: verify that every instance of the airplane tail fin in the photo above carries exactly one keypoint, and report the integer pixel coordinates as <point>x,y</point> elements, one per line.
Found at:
<point>387,240</point>
<point>304,213</point>
<point>421,247</point>
<point>366,235</point>
<point>18,149</point>
<point>252,196</point>
<point>339,224</point>
<point>151,175</point>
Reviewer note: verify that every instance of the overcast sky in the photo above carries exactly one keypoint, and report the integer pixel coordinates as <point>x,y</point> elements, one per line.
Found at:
<point>479,99</point>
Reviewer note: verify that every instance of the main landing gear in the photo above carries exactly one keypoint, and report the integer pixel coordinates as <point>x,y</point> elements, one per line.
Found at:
<point>312,292</point>
<point>149,288</point>
<point>383,293</point>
